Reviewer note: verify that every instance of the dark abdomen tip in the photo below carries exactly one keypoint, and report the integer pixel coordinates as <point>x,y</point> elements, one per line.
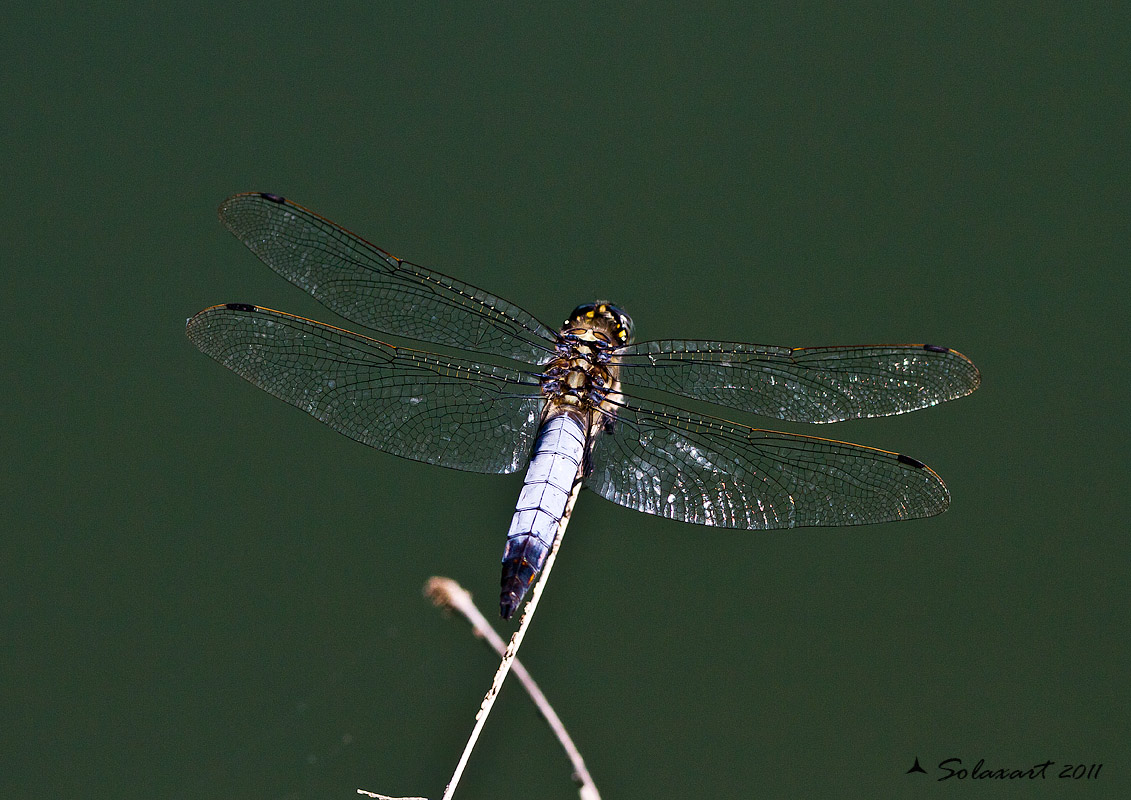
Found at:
<point>509,602</point>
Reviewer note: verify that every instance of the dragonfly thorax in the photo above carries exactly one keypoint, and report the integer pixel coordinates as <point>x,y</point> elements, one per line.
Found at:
<point>577,381</point>
<point>582,379</point>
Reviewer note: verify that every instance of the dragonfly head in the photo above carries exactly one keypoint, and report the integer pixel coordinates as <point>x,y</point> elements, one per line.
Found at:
<point>604,317</point>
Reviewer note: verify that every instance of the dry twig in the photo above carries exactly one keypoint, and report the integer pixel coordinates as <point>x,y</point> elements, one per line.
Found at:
<point>446,593</point>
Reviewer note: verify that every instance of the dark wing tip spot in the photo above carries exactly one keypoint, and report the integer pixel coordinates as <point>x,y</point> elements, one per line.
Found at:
<point>274,198</point>
<point>241,307</point>
<point>934,348</point>
<point>909,461</point>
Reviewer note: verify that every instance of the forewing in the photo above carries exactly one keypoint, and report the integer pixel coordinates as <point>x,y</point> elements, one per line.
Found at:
<point>369,286</point>
<point>418,405</point>
<point>669,462</point>
<point>806,384</point>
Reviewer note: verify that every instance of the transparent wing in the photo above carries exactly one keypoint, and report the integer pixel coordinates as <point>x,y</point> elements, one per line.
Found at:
<point>368,286</point>
<point>805,384</point>
<point>418,405</point>
<point>668,462</point>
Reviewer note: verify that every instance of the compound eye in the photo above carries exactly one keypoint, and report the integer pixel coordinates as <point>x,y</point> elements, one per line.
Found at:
<point>585,311</point>
<point>624,329</point>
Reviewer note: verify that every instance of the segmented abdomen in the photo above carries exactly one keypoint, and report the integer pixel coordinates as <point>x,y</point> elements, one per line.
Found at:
<point>549,481</point>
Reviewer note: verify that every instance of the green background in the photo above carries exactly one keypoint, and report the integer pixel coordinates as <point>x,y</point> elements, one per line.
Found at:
<point>206,593</point>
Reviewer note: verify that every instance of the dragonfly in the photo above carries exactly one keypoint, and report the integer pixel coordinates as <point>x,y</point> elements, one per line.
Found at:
<point>583,402</point>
